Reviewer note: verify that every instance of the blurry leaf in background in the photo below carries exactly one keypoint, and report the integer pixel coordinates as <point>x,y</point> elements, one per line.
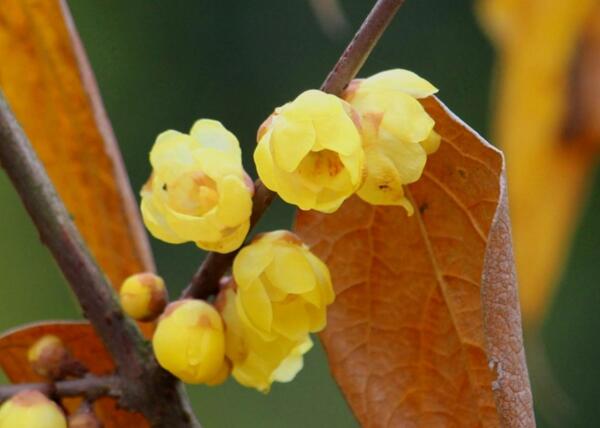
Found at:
<point>82,342</point>
<point>547,125</point>
<point>52,91</point>
<point>425,329</point>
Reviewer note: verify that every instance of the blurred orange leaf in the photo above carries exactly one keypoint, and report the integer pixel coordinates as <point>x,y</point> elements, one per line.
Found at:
<point>83,343</point>
<point>48,82</point>
<point>425,330</point>
<point>546,122</point>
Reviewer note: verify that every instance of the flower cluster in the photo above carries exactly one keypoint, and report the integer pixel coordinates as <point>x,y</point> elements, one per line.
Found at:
<point>318,150</point>
<point>315,152</point>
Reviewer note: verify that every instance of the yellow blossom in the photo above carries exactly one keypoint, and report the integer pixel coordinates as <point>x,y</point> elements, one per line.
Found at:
<point>397,133</point>
<point>257,362</point>
<point>198,190</point>
<point>31,409</point>
<point>189,341</point>
<point>309,152</point>
<point>283,288</point>
<point>143,296</point>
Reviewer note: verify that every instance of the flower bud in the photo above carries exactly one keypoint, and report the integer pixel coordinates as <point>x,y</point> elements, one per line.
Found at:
<point>283,288</point>
<point>50,358</point>
<point>397,133</point>
<point>198,190</point>
<point>221,375</point>
<point>189,341</point>
<point>143,296</point>
<point>309,152</point>
<point>257,362</point>
<point>31,409</point>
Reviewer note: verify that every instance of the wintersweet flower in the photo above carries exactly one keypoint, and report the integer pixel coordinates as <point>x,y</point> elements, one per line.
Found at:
<point>143,296</point>
<point>256,362</point>
<point>309,152</point>
<point>198,190</point>
<point>189,341</point>
<point>283,289</point>
<point>31,409</point>
<point>397,133</point>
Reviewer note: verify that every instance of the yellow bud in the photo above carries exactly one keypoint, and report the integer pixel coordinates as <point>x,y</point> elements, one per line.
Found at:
<point>258,362</point>
<point>397,133</point>
<point>198,190</point>
<point>189,341</point>
<point>50,358</point>
<point>283,288</point>
<point>143,296</point>
<point>31,409</point>
<point>221,375</point>
<point>309,152</point>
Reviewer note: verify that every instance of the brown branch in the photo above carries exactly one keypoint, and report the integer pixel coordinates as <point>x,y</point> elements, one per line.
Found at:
<point>357,52</point>
<point>205,281</point>
<point>146,387</point>
<point>90,386</point>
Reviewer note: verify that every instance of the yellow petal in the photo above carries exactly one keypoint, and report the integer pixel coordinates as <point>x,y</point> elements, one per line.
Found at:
<point>193,228</point>
<point>235,201</point>
<point>290,318</point>
<point>217,164</point>
<point>323,276</point>
<point>264,162</point>
<point>289,367</point>
<point>290,271</point>
<point>431,143</point>
<point>171,154</point>
<point>156,223</point>
<point>400,80</point>
<point>406,119</point>
<point>250,263</point>
<point>256,305</point>
<point>230,240</point>
<point>211,133</point>
<point>290,142</point>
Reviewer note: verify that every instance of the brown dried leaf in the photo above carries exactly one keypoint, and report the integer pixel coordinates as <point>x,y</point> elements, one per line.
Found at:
<point>48,82</point>
<point>425,330</point>
<point>83,343</point>
<point>546,124</point>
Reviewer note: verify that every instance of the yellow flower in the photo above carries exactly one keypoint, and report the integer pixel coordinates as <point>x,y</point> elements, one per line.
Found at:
<point>31,409</point>
<point>256,362</point>
<point>189,341</point>
<point>198,190</point>
<point>397,133</point>
<point>309,152</point>
<point>283,288</point>
<point>143,296</point>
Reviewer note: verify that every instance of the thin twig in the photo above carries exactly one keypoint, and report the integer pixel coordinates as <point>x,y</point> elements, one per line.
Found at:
<point>205,281</point>
<point>89,386</point>
<point>146,387</point>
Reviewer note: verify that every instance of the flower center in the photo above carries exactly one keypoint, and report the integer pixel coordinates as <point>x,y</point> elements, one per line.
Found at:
<point>321,166</point>
<point>193,193</point>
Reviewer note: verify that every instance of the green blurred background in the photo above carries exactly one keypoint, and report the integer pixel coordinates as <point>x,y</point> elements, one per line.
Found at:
<point>163,64</point>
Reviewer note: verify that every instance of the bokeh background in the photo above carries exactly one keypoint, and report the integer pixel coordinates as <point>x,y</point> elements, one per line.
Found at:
<point>163,64</point>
